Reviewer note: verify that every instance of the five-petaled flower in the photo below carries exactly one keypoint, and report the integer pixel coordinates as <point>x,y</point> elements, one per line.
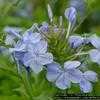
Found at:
<point>63,77</point>
<point>37,56</point>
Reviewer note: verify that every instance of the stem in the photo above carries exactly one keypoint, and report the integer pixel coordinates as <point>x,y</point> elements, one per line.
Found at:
<point>68,31</point>
<point>78,54</point>
<point>27,86</point>
<point>25,80</point>
<point>83,53</point>
<point>43,34</point>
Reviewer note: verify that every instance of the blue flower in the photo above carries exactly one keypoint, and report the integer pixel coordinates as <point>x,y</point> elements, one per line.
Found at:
<point>31,50</point>
<point>63,77</point>
<point>37,56</point>
<point>85,83</point>
<point>44,28</point>
<point>70,14</point>
<point>95,53</point>
<point>28,42</point>
<point>13,32</point>
<point>76,41</point>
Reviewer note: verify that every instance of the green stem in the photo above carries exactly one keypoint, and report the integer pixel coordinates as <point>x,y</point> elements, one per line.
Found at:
<point>27,86</point>
<point>68,31</point>
<point>82,53</point>
<point>78,54</point>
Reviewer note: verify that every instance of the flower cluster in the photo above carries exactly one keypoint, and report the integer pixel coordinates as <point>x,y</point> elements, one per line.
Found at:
<point>31,50</point>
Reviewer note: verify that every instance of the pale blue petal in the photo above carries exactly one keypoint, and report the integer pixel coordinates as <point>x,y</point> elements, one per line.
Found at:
<point>90,76</point>
<point>19,55</point>
<point>31,37</point>
<point>76,41</point>
<point>95,55</point>
<point>36,67</point>
<point>38,48</point>
<point>75,75</point>
<point>63,82</point>
<point>31,61</point>
<point>71,64</point>
<point>45,58</point>
<point>41,47</point>
<point>19,47</point>
<point>95,41</point>
<point>53,71</point>
<point>28,59</point>
<point>14,31</point>
<point>85,86</point>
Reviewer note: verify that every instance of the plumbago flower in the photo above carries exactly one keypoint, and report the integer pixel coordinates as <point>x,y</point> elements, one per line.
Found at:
<point>95,53</point>
<point>76,41</point>
<point>63,77</point>
<point>37,56</point>
<point>31,50</point>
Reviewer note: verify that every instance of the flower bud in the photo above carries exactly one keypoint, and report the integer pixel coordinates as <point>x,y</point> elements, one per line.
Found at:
<point>70,14</point>
<point>50,14</point>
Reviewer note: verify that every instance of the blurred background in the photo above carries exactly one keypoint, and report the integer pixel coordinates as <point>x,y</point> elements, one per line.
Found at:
<point>23,13</point>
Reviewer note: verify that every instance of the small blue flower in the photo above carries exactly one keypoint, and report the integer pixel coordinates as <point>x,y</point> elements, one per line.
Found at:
<point>37,56</point>
<point>85,83</point>
<point>45,27</point>
<point>63,77</point>
<point>28,43</point>
<point>70,14</point>
<point>95,53</point>
<point>76,41</point>
<point>13,32</point>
